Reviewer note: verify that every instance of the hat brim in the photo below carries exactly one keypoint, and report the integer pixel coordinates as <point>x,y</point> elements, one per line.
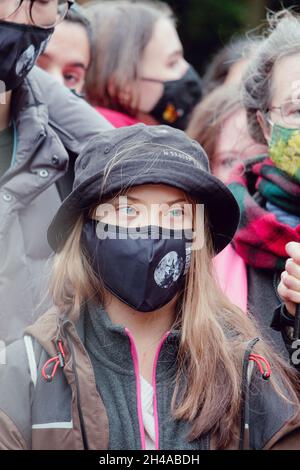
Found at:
<point>219,202</point>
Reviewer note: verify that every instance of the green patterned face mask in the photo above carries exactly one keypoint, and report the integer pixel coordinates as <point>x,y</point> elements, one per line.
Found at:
<point>284,149</point>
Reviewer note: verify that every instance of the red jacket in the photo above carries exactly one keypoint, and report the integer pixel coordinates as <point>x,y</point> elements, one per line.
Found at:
<point>116,118</point>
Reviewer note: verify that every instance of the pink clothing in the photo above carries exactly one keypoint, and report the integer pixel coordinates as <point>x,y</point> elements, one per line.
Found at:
<point>231,273</point>
<point>116,118</point>
<point>148,424</point>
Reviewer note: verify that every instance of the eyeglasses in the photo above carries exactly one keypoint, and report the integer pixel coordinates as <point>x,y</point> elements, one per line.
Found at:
<point>43,13</point>
<point>290,113</point>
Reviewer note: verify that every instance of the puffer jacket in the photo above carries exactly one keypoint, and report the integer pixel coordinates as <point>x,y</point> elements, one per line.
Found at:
<point>72,413</point>
<point>52,126</point>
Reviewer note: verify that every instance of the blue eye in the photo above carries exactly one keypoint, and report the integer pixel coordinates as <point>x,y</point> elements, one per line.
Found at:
<point>176,212</point>
<point>128,210</point>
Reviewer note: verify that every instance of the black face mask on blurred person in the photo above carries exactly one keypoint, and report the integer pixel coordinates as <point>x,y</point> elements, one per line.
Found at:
<point>143,270</point>
<point>178,99</point>
<point>20,46</point>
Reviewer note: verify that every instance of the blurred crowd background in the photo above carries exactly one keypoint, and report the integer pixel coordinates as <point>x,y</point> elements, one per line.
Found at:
<point>205,26</point>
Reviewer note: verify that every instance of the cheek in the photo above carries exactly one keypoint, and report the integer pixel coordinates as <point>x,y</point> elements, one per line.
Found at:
<point>149,94</point>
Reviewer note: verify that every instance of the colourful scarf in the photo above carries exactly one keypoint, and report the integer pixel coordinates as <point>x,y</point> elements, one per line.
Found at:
<point>261,238</point>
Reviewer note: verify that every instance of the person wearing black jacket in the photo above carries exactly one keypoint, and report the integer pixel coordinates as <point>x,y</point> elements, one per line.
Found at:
<point>289,290</point>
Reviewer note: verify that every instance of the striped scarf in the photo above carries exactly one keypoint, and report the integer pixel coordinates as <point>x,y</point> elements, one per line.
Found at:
<point>261,238</point>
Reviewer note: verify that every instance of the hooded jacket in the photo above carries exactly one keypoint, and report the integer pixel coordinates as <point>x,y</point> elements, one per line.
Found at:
<point>71,413</point>
<point>52,126</point>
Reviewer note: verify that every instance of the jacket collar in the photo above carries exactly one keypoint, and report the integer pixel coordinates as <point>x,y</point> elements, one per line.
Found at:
<point>113,344</point>
<point>37,143</point>
<point>30,115</point>
<point>32,121</point>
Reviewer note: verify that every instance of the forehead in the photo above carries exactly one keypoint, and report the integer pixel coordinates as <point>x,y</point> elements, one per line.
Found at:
<point>156,193</point>
<point>158,46</point>
<point>70,42</point>
<point>286,79</point>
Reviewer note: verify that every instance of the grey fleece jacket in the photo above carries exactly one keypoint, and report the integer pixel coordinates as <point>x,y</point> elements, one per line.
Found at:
<point>53,125</point>
<point>113,358</point>
<point>93,402</point>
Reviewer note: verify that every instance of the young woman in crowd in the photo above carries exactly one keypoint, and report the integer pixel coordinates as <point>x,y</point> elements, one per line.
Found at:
<point>267,188</point>
<point>138,71</point>
<point>219,124</point>
<point>68,53</point>
<point>142,350</point>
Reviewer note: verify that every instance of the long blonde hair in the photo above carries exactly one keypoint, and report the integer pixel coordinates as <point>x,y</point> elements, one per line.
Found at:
<point>214,332</point>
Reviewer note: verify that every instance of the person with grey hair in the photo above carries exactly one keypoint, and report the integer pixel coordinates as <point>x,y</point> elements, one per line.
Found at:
<point>267,187</point>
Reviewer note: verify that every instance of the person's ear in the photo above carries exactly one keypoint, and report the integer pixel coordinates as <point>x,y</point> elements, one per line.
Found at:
<point>265,126</point>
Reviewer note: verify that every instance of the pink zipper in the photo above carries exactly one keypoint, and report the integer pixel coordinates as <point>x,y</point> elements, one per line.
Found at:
<point>154,390</point>
<point>138,386</point>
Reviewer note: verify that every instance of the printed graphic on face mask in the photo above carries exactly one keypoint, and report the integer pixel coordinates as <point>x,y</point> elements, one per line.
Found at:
<point>178,99</point>
<point>285,150</point>
<point>171,114</point>
<point>168,270</point>
<point>20,45</point>
<point>26,61</point>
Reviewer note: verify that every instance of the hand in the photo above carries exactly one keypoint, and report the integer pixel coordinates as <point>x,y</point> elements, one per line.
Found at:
<point>289,286</point>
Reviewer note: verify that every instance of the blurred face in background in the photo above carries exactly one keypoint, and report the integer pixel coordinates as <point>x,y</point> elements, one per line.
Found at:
<point>162,60</point>
<point>285,103</point>
<point>233,145</point>
<point>67,55</point>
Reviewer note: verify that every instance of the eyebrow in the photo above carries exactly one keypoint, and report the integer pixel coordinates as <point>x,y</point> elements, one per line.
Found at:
<point>70,64</point>
<point>76,64</point>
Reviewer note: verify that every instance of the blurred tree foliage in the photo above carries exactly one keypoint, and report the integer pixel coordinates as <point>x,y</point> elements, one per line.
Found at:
<point>205,26</point>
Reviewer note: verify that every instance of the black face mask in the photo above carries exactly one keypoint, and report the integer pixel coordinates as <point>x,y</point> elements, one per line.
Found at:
<point>20,46</point>
<point>178,99</point>
<point>145,273</point>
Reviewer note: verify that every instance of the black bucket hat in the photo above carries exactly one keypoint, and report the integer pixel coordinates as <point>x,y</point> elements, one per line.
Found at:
<point>143,154</point>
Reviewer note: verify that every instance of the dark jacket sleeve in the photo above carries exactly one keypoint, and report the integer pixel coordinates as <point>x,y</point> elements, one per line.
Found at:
<point>284,322</point>
<point>15,398</point>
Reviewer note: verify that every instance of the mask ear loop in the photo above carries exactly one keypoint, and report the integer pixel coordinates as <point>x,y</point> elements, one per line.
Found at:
<point>153,80</point>
<point>270,122</point>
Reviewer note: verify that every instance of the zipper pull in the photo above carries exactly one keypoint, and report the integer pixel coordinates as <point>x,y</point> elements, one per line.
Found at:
<point>259,360</point>
<point>58,361</point>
